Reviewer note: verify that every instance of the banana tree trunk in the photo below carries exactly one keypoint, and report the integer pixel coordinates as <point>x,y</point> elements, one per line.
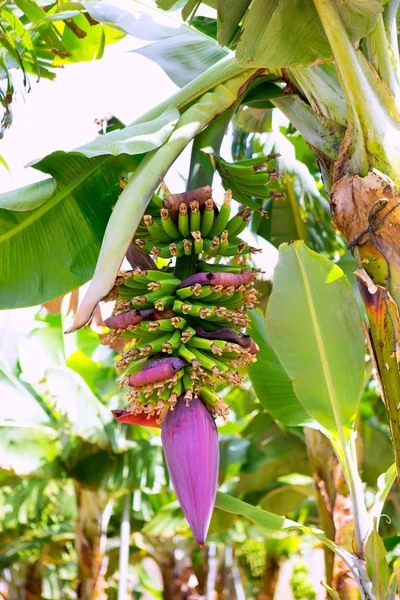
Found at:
<point>335,510</point>
<point>359,203</point>
<point>270,577</point>
<point>33,581</point>
<point>94,512</point>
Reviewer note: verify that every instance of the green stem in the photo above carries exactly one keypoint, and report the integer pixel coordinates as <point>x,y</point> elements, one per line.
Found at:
<point>353,80</point>
<point>185,266</point>
<point>379,57</point>
<point>125,531</point>
<point>301,233</point>
<point>346,454</point>
<point>201,170</point>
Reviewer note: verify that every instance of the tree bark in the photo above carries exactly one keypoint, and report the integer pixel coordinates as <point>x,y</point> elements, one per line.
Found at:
<point>90,528</point>
<point>270,577</point>
<point>33,581</point>
<point>334,508</point>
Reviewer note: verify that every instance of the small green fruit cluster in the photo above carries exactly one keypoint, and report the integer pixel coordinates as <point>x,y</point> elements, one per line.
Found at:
<point>190,223</point>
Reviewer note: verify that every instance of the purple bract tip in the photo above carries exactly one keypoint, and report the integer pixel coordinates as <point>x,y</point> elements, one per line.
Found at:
<point>190,440</point>
<point>201,278</point>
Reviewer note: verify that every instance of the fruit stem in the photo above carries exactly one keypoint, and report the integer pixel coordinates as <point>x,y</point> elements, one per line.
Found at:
<point>185,266</point>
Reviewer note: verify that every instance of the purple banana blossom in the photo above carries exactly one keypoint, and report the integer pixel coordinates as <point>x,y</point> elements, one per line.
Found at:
<point>190,440</point>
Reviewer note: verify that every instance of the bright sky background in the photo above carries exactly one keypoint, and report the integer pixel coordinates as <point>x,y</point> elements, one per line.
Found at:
<point>60,115</point>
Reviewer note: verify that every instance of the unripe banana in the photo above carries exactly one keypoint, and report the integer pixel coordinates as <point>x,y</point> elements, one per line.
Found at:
<point>156,200</point>
<point>211,246</point>
<point>239,222</point>
<point>173,343</point>
<point>205,267</point>
<point>187,247</point>
<point>152,299</point>
<point>155,230</point>
<point>221,221</point>
<point>194,216</point>
<point>187,335</point>
<point>176,249</point>
<point>224,243</point>
<point>167,285</point>
<point>183,220</point>
<point>198,242</point>
<point>144,276</point>
<point>168,225</point>
<point>207,218</point>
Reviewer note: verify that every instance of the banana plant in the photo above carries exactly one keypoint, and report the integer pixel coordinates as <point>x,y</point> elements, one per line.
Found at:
<point>333,71</point>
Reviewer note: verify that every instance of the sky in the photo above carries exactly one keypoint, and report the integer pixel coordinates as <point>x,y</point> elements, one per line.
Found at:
<point>61,114</point>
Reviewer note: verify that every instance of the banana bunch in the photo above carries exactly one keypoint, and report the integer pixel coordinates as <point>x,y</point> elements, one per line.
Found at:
<point>252,179</point>
<point>190,223</point>
<point>185,337</point>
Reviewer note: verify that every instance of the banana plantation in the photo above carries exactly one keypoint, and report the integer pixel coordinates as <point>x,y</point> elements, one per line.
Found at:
<point>206,401</point>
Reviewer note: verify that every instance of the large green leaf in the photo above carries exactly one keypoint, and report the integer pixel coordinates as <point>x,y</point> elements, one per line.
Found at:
<point>271,383</point>
<point>315,329</point>
<point>134,139</point>
<point>230,15</point>
<point>182,57</point>
<point>289,33</point>
<point>181,51</point>
<point>27,449</point>
<point>49,245</point>
<point>377,566</point>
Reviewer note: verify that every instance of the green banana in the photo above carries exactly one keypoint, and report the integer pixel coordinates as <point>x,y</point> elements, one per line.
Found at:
<point>150,300</point>
<point>224,243</point>
<point>184,293</point>
<point>155,230</point>
<point>187,247</point>
<point>186,354</point>
<point>207,218</point>
<point>198,242</point>
<point>194,216</point>
<point>166,286</point>
<point>209,396</point>
<point>176,249</point>
<point>152,275</point>
<point>187,335</point>
<point>221,221</point>
<point>173,342</point>
<point>157,200</point>
<point>211,246</point>
<point>217,268</point>
<point>168,225</point>
<point>183,220</point>
<point>236,221</point>
<point>207,361</point>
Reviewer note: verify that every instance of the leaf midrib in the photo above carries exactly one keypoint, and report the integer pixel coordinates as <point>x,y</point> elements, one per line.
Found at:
<point>321,347</point>
<point>58,197</point>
